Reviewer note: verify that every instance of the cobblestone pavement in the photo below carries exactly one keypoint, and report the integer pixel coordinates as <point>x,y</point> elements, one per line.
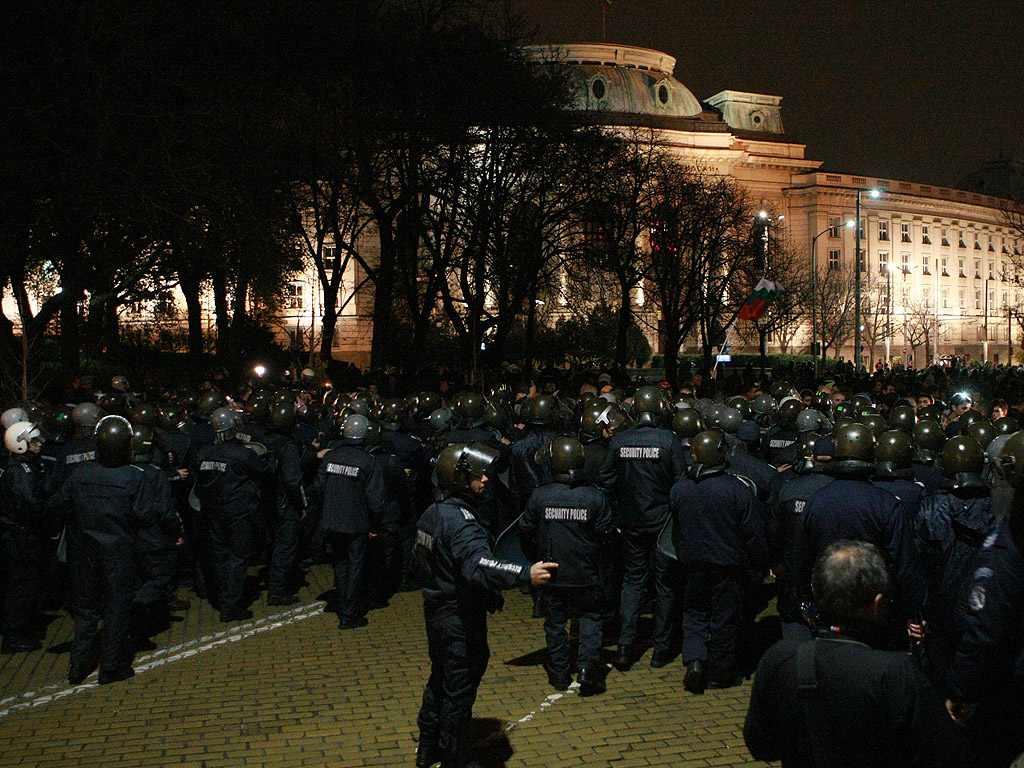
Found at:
<point>287,688</point>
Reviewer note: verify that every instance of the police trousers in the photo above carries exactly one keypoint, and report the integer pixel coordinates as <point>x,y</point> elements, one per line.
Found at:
<point>284,552</point>
<point>348,555</point>
<point>457,642</point>
<point>712,615</point>
<point>102,589</point>
<point>640,556</point>
<point>23,559</point>
<point>562,604</point>
<point>231,547</point>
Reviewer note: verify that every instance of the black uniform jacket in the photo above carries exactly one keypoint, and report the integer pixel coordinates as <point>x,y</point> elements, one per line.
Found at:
<point>228,480</point>
<point>109,506</point>
<point>564,525</point>
<point>638,473</point>
<point>871,708</point>
<point>454,558</point>
<point>351,483</point>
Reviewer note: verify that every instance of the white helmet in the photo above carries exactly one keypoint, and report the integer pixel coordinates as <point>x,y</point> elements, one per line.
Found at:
<point>12,416</point>
<point>18,436</point>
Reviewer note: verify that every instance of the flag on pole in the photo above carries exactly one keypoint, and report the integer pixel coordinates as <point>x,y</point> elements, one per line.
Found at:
<point>764,293</point>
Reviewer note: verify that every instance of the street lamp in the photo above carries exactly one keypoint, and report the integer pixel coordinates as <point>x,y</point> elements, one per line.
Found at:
<point>856,284</point>
<point>814,295</point>
<point>767,220</point>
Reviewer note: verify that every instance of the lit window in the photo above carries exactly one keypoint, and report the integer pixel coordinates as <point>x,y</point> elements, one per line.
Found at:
<point>961,297</point>
<point>883,262</point>
<point>977,242</point>
<point>861,261</point>
<point>905,232</point>
<point>960,237</point>
<point>883,230</point>
<point>835,224</point>
<point>833,260</point>
<point>926,296</point>
<point>977,298</point>
<point>924,235</point>
<point>945,236</point>
<point>330,258</point>
<point>293,296</point>
<point>926,264</point>
<point>945,268</point>
<point>944,292</point>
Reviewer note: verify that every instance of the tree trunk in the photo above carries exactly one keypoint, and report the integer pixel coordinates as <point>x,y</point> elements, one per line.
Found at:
<point>383,298</point>
<point>622,330</point>
<point>220,304</point>
<point>672,358</point>
<point>190,287</point>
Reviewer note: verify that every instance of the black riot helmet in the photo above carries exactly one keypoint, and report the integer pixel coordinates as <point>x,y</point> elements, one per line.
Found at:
<point>811,420</point>
<point>742,405</point>
<point>459,463</point>
<point>281,418</point>
<point>146,413</point>
<point>764,405</point>
<point>966,419</point>
<point>903,418</point>
<point>355,427</point>
<point>114,441</point>
<point>781,389</point>
<point>963,461</point>
<point>440,421</point>
<point>1010,462</point>
<point>822,401</point>
<point>469,407</point>
<point>932,412</point>
<point>687,424</point>
<point>142,442</point>
<point>173,417</point>
<point>649,406</point>
<point>874,422</point>
<point>789,409</point>
<point>1006,425</point>
<point>806,447</point>
<point>224,422</point>
<point>982,431</point>
<point>729,420</point>
<point>893,455</point>
<point>928,440</point>
<point>210,402</point>
<point>86,415</point>
<point>854,451</point>
<point>542,411</point>
<point>710,454</point>
<point>564,456</point>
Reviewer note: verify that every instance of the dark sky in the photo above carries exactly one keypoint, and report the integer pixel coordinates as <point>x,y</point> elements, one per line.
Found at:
<point>917,91</point>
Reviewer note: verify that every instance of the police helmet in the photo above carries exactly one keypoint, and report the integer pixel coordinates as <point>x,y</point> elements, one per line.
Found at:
<point>729,420</point>
<point>994,451</point>
<point>427,403</point>
<point>308,375</point>
<point>982,431</point>
<point>822,401</point>
<point>874,422</point>
<point>223,420</point>
<point>469,406</point>
<point>781,390</point>
<point>359,405</point>
<point>564,456</point>
<point>893,454</point>
<point>854,450</point>
<point>811,420</point>
<point>142,442</point>
<point>211,401</point>
<point>1006,425</point>
<point>146,413</point>
<point>966,419</point>
<point>903,417</point>
<point>542,410</point>
<point>808,446</point>
<point>741,404</point>
<point>860,401</point>
<point>764,405</point>
<point>844,411</point>
<point>19,436</point>
<point>963,461</point>
<point>496,415</point>
<point>13,416</point>
<point>789,409</point>
<point>172,417</point>
<point>649,405</point>
<point>1011,460</point>
<point>281,418</point>
<point>687,425</point>
<point>710,454</point>
<point>86,415</point>
<point>928,440</point>
<point>932,412</point>
<point>392,411</point>
<point>355,427</point>
<point>114,441</point>
<point>440,420</point>
<point>459,463</point>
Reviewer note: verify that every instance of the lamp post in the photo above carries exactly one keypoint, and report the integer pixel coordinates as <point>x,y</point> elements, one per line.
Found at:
<point>984,341</point>
<point>888,313</point>
<point>814,296</point>
<point>856,286</point>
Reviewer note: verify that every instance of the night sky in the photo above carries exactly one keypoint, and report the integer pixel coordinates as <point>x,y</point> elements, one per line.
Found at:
<point>916,91</point>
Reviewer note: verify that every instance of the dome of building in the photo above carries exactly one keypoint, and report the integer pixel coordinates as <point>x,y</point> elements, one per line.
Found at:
<point>1002,177</point>
<point>623,79</point>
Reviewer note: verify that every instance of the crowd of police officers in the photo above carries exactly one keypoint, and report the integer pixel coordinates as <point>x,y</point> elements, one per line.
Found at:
<point>604,501</point>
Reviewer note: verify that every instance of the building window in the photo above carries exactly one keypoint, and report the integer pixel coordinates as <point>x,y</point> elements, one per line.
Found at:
<point>883,262</point>
<point>926,296</point>
<point>905,263</point>
<point>598,89</point>
<point>925,238</point>
<point>960,236</point>
<point>991,248</point>
<point>1006,299</point>
<point>961,297</point>
<point>945,237</point>
<point>977,269</point>
<point>981,333</point>
<point>977,242</point>
<point>945,268</point>
<point>330,258</point>
<point>663,94</point>
<point>861,261</point>
<point>835,224</point>
<point>293,296</point>
<point>833,260</point>
<point>990,267</point>
<point>905,232</point>
<point>962,272</point>
<point>926,264</point>
<point>883,230</point>
<point>861,228</point>
<point>977,298</point>
<point>944,293</point>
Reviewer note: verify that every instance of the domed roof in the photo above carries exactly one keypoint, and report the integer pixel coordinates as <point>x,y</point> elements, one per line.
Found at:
<point>616,78</point>
<point>1002,177</point>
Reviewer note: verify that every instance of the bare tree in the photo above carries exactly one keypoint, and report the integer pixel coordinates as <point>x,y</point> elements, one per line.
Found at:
<point>918,325</point>
<point>835,305</point>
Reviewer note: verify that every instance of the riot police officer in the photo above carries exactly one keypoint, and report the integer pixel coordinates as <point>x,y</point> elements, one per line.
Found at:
<point>228,476</point>
<point>108,509</point>
<point>718,537</point>
<point>563,522</point>
<point>893,472</point>
<point>350,485</point>
<point>287,504</point>
<point>642,464</point>
<point>524,474</point>
<point>23,529</point>
<point>461,582</point>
